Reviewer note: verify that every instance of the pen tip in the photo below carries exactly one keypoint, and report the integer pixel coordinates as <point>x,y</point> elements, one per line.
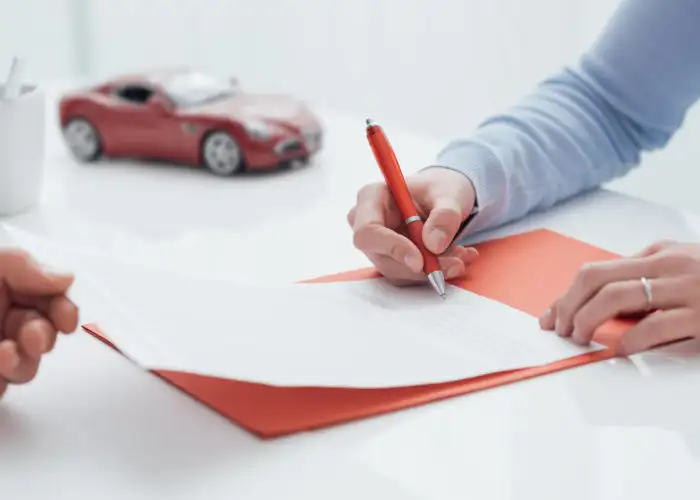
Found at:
<point>369,122</point>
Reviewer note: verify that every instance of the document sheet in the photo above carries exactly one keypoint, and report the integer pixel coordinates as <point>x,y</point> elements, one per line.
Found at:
<point>364,334</point>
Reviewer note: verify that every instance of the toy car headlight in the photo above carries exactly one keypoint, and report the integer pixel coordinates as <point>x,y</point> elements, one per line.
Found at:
<point>258,130</point>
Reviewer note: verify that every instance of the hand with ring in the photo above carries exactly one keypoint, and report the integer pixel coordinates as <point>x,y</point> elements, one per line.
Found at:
<point>664,277</point>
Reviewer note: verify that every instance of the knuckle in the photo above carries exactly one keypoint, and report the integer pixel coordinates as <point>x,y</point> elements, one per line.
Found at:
<point>655,247</point>
<point>395,252</point>
<point>588,274</point>
<point>660,245</point>
<point>563,311</point>
<point>613,292</point>
<point>368,191</point>
<point>682,261</point>
<point>359,238</point>
<point>417,180</point>
<point>672,262</point>
<point>582,324</point>
<point>658,264</point>
<point>369,240</point>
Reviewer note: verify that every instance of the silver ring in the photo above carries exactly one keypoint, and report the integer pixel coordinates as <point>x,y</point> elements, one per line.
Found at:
<point>413,218</point>
<point>647,291</point>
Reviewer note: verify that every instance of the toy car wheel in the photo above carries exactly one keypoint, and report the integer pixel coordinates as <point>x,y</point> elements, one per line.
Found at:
<point>82,139</point>
<point>222,154</point>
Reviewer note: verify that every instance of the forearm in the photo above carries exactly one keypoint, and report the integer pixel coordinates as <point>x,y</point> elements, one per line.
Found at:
<point>560,141</point>
<point>588,124</point>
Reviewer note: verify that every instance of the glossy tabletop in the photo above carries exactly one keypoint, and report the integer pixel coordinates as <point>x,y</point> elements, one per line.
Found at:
<point>94,426</point>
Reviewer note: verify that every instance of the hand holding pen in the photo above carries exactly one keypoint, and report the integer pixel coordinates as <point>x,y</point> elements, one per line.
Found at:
<point>443,198</point>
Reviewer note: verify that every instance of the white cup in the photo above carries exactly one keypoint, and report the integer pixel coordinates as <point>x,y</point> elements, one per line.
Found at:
<point>22,135</point>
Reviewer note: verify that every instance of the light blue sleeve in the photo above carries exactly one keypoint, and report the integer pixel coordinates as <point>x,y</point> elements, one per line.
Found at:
<point>591,122</point>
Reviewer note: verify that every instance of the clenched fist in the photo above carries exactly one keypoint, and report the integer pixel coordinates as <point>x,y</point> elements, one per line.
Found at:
<point>33,309</point>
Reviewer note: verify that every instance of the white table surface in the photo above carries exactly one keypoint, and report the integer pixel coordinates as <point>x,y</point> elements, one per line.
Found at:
<point>93,426</point>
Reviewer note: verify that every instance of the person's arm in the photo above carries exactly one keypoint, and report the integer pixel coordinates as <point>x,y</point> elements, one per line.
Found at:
<point>590,123</point>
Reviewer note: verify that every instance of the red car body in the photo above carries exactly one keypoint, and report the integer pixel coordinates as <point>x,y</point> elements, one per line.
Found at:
<point>168,115</point>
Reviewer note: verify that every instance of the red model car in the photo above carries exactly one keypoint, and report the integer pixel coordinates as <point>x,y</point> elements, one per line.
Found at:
<point>188,117</point>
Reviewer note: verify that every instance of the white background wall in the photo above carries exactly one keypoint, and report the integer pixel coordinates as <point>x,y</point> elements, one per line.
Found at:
<point>436,66</point>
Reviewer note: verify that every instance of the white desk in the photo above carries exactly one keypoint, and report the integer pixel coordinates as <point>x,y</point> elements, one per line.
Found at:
<point>93,426</point>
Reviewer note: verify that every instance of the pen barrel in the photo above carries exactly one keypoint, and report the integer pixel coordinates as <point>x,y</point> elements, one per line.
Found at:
<point>430,261</point>
<point>389,165</point>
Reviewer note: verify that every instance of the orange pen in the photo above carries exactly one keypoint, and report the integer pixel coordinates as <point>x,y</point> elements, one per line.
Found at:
<point>389,165</point>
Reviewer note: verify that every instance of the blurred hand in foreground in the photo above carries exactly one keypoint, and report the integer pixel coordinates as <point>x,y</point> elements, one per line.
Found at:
<point>34,308</point>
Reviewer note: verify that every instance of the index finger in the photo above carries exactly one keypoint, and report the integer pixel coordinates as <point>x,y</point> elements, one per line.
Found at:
<point>374,218</point>
<point>374,205</point>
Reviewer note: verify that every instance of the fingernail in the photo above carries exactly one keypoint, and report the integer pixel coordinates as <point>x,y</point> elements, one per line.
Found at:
<point>438,238</point>
<point>473,251</point>
<point>575,337</point>
<point>558,328</point>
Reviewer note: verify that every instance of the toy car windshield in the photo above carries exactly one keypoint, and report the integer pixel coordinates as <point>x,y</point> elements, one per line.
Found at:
<point>195,89</point>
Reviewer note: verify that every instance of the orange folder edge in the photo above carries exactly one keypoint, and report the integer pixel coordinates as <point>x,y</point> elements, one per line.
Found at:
<point>527,271</point>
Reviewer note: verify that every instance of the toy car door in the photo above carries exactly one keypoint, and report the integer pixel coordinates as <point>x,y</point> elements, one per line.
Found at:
<point>144,126</point>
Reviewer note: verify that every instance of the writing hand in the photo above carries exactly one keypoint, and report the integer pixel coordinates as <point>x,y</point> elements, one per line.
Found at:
<point>444,199</point>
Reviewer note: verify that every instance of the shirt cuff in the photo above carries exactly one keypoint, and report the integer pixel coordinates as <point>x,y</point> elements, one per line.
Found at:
<point>481,166</point>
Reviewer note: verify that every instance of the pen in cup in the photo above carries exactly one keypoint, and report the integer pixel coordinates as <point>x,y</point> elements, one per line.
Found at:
<point>13,84</point>
<point>389,165</point>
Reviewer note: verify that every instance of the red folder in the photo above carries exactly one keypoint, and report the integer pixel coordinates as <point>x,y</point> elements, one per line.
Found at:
<point>526,271</point>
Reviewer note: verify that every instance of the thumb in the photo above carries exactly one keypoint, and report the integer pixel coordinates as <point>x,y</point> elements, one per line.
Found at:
<point>23,274</point>
<point>442,224</point>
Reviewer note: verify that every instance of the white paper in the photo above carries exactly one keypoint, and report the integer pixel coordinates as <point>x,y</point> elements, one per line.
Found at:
<point>358,334</point>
